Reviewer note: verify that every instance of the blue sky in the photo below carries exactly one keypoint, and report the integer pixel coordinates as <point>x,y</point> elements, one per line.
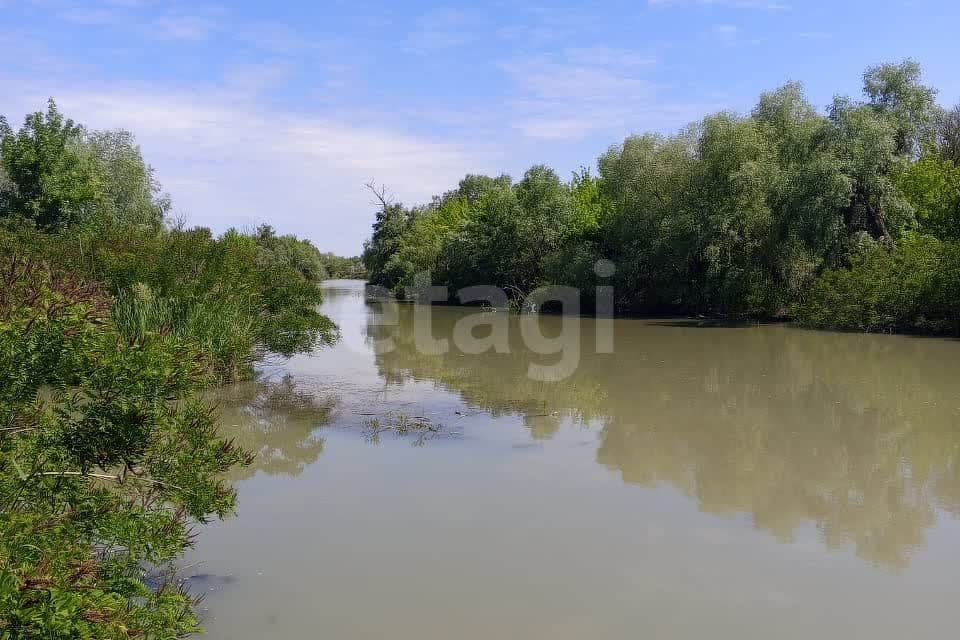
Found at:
<point>280,111</point>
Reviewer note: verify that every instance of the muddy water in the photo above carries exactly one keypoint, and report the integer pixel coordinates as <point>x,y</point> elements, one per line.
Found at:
<point>698,482</point>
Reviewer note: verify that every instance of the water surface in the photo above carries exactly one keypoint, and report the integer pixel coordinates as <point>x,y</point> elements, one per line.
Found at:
<point>700,482</point>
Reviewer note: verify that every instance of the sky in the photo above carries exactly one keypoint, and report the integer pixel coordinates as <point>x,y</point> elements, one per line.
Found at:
<point>281,111</point>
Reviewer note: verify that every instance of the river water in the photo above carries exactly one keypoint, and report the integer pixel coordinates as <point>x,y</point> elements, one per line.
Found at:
<point>698,482</point>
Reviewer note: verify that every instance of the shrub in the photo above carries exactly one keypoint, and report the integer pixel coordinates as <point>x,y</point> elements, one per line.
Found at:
<point>913,288</point>
<point>101,475</point>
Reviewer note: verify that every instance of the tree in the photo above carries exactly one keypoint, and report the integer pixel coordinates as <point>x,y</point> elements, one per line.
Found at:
<point>932,186</point>
<point>649,223</point>
<point>867,144</point>
<point>806,193</point>
<point>895,92</point>
<point>52,177</point>
<point>740,215</point>
<point>544,223</point>
<point>948,136</point>
<point>131,192</point>
<point>390,225</point>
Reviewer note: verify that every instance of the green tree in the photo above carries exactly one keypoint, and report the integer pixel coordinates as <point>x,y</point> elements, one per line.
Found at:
<point>913,288</point>
<point>895,92</point>
<point>806,192</point>
<point>948,136</point>
<point>52,177</point>
<point>649,224</point>
<point>389,227</point>
<point>739,215</point>
<point>932,186</point>
<point>868,148</point>
<point>131,193</point>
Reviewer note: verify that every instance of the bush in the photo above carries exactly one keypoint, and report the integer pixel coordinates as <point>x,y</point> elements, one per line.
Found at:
<point>101,475</point>
<point>233,299</point>
<point>913,288</point>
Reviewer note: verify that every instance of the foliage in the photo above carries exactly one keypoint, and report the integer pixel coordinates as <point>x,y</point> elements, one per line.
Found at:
<point>58,174</point>
<point>52,177</point>
<point>111,321</point>
<point>932,186</point>
<point>98,211</point>
<point>948,136</point>
<point>236,300</point>
<point>915,288</point>
<point>101,476</point>
<point>339,267</point>
<point>895,92</point>
<point>733,215</point>
<point>300,254</point>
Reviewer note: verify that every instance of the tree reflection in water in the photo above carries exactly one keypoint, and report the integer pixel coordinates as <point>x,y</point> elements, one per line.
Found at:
<point>857,434</point>
<point>277,421</point>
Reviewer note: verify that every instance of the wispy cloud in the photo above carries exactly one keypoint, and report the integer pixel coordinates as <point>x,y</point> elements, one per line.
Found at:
<point>587,90</point>
<point>229,160</point>
<point>279,39</point>
<point>726,34</point>
<point>765,5</point>
<point>814,35</point>
<point>604,56</point>
<point>92,15</point>
<point>171,23</point>
<point>441,29</point>
<point>184,27</point>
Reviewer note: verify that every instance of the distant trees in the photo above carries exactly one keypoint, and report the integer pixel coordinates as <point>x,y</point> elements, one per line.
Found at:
<point>743,215</point>
<point>301,255</point>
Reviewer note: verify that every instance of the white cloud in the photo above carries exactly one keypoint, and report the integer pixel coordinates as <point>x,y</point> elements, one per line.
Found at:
<point>609,57</point>
<point>589,90</point>
<point>90,15</point>
<point>230,161</point>
<point>172,23</point>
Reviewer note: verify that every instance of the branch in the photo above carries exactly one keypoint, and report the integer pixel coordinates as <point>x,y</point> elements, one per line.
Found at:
<point>99,476</point>
<point>105,476</point>
<point>379,193</point>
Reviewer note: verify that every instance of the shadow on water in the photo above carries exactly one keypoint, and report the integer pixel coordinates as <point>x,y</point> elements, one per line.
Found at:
<point>857,434</point>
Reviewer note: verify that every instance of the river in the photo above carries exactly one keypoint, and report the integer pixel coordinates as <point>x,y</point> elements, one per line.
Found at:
<point>700,481</point>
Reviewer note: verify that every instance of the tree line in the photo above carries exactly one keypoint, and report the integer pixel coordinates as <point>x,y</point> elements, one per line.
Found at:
<point>113,319</point>
<point>848,218</point>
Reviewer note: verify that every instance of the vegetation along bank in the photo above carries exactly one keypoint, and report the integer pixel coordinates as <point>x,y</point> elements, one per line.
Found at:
<point>112,320</point>
<point>848,219</point>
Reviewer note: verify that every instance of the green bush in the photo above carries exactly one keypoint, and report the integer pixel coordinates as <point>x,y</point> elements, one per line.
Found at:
<point>110,323</point>
<point>234,299</point>
<point>101,474</point>
<point>913,288</point>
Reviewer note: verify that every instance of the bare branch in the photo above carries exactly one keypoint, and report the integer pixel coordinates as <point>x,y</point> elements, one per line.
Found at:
<point>380,193</point>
